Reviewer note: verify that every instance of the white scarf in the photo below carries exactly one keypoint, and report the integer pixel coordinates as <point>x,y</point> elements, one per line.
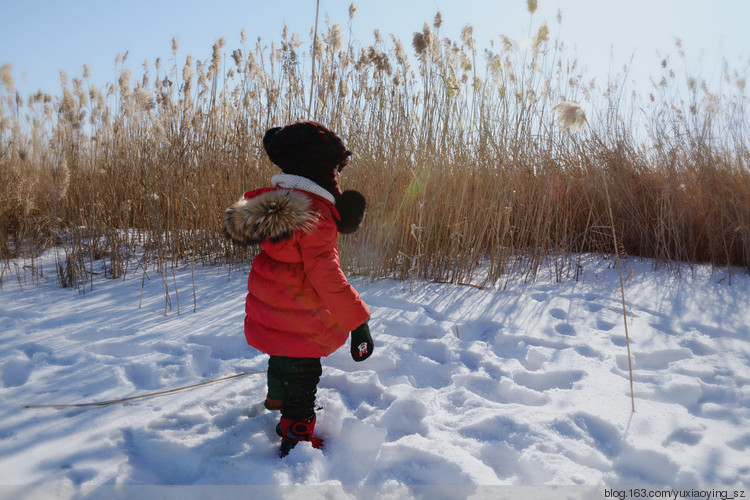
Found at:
<point>288,181</point>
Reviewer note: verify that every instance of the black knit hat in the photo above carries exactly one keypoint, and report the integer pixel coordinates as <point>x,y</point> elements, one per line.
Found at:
<point>311,150</point>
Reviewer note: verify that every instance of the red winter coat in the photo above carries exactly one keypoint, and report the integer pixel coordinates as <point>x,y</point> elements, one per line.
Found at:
<point>299,303</point>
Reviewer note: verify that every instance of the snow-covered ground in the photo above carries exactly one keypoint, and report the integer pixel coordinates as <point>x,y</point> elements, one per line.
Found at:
<point>523,386</point>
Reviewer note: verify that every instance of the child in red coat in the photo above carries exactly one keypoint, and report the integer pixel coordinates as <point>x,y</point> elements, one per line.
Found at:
<point>299,305</point>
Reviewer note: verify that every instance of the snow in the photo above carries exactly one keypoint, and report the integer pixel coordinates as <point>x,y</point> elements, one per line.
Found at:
<point>526,385</point>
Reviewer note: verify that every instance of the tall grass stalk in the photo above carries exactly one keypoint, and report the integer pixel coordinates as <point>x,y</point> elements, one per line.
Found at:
<point>616,251</point>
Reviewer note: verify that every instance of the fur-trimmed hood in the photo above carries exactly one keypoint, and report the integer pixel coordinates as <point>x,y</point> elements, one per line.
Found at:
<point>273,214</point>
<point>276,213</point>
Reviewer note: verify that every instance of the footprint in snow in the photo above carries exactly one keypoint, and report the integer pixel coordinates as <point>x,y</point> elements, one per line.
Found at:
<point>558,313</point>
<point>80,476</point>
<point>601,434</point>
<point>604,326</point>
<point>434,350</point>
<point>593,307</point>
<point>698,347</point>
<point>742,443</point>
<point>551,380</point>
<point>565,329</point>
<point>143,376</point>
<point>15,371</point>
<point>620,340</point>
<point>686,435</point>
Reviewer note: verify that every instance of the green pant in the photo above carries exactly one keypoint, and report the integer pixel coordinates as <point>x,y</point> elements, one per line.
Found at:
<point>294,382</point>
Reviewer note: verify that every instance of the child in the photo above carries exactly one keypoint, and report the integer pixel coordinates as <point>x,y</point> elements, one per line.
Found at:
<point>299,305</point>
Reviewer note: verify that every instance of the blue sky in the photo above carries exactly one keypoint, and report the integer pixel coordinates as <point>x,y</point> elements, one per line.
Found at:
<point>40,37</point>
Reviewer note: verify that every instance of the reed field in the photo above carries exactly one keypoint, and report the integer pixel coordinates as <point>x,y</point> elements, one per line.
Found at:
<point>478,164</point>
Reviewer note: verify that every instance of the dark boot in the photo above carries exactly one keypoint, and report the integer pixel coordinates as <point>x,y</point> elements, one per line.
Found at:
<point>294,431</point>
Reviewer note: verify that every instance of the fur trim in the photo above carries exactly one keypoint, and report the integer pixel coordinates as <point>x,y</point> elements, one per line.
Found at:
<point>351,206</point>
<point>273,215</point>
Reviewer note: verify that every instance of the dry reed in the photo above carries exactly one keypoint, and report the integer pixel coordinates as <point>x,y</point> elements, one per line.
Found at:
<point>468,173</point>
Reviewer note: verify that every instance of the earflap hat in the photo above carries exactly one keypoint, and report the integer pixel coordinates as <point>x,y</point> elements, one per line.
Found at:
<point>311,150</point>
